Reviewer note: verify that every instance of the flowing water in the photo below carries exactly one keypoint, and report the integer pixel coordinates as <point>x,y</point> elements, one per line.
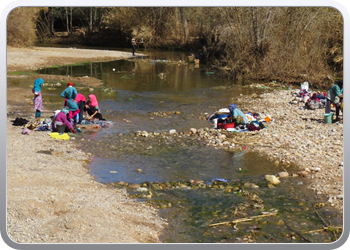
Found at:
<point>158,93</point>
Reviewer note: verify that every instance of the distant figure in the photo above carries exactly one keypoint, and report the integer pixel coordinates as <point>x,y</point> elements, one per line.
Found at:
<point>237,115</point>
<point>38,101</point>
<point>133,43</point>
<point>333,96</point>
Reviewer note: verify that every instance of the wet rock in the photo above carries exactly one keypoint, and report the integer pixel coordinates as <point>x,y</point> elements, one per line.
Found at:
<point>250,185</point>
<point>134,186</point>
<point>283,174</point>
<point>172,131</point>
<point>303,174</point>
<point>272,179</point>
<point>141,189</point>
<point>193,131</point>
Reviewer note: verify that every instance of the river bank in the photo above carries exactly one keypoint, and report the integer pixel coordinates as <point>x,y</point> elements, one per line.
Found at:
<point>51,198</point>
<point>295,136</point>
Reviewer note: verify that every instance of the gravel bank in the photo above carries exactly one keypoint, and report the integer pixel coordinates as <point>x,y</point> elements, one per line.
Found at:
<point>52,198</point>
<point>300,136</point>
<point>39,57</point>
<point>296,135</point>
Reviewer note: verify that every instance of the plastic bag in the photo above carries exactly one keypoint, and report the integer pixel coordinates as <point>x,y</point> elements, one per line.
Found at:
<point>305,86</point>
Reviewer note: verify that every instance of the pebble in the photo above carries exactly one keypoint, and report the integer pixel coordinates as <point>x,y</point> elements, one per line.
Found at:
<point>272,179</point>
<point>283,174</point>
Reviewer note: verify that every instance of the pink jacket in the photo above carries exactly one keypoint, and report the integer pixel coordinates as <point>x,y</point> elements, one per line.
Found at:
<point>80,97</point>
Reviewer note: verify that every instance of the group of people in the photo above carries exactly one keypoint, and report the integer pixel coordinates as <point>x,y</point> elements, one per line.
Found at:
<point>334,96</point>
<point>75,106</point>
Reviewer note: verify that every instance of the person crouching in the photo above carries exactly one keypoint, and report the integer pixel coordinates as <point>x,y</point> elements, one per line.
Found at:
<point>61,123</point>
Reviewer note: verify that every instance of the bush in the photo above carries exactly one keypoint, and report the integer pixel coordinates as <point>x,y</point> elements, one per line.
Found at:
<point>21,30</point>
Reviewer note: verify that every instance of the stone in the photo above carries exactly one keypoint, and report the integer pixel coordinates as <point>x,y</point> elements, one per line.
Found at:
<point>134,186</point>
<point>141,189</point>
<point>303,174</point>
<point>272,179</point>
<point>283,174</point>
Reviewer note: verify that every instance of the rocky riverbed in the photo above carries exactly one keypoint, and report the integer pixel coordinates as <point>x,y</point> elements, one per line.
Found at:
<point>296,135</point>
<point>52,198</point>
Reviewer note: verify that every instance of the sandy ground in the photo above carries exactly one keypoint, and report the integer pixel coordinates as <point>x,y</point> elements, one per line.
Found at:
<point>39,57</point>
<point>51,198</point>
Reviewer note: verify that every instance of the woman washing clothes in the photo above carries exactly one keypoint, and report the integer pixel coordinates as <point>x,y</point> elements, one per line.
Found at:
<point>38,101</point>
<point>61,123</point>
<point>237,115</point>
<point>70,93</point>
<point>91,108</point>
<point>80,100</point>
<point>334,94</point>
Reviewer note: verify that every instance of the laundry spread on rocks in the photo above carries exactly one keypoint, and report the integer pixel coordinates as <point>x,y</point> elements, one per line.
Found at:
<point>234,120</point>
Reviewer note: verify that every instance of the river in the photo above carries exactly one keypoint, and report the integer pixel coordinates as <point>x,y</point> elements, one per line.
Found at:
<point>193,185</point>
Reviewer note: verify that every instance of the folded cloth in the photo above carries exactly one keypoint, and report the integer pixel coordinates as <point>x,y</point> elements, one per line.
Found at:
<point>59,136</point>
<point>26,131</point>
<point>19,122</point>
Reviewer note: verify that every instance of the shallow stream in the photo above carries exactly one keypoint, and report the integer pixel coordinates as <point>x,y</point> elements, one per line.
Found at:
<point>195,186</point>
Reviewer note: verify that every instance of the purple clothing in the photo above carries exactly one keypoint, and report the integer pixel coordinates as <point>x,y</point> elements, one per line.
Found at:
<point>62,118</point>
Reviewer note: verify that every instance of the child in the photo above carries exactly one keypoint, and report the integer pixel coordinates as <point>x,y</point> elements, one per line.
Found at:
<point>38,102</point>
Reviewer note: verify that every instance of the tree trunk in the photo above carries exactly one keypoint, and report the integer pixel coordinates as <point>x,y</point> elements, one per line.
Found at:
<point>52,30</point>
<point>67,20</point>
<point>71,21</point>
<point>90,22</point>
<point>184,23</point>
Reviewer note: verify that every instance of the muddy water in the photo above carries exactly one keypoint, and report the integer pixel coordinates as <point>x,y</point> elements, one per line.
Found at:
<point>177,173</point>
